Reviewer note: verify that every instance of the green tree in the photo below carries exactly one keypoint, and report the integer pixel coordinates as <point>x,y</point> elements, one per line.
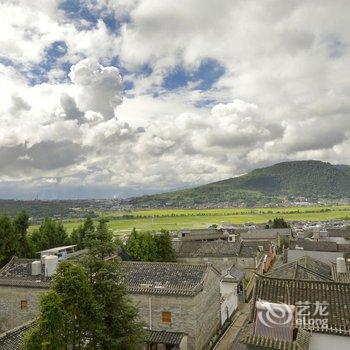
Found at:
<point>150,247</point>
<point>9,244</point>
<point>93,309</point>
<point>50,234</point>
<point>69,314</point>
<point>48,333</point>
<point>279,223</point>
<point>165,250</point>
<point>120,328</point>
<point>82,314</point>
<point>20,227</point>
<point>79,234</point>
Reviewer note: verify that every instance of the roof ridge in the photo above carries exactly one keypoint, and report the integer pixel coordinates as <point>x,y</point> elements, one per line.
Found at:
<point>259,276</point>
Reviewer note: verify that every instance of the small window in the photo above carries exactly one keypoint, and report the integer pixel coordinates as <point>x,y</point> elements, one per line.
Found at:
<point>166,317</point>
<point>24,304</point>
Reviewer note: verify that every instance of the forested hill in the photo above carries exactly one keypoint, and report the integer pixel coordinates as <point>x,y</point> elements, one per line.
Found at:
<point>311,179</point>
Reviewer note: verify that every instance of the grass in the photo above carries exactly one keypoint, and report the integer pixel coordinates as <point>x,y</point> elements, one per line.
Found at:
<point>175,219</point>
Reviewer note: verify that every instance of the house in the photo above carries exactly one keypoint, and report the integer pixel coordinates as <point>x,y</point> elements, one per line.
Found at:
<point>298,314</point>
<point>179,303</point>
<point>203,234</point>
<point>20,292</point>
<point>232,292</point>
<point>256,256</point>
<point>321,250</point>
<point>180,298</point>
<point>276,235</point>
<point>246,255</point>
<point>309,268</point>
<point>222,254</point>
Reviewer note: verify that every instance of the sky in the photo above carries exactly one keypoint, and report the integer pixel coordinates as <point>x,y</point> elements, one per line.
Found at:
<point>108,98</point>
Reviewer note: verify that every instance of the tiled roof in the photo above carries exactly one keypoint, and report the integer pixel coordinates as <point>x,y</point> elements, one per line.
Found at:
<point>306,244</point>
<point>165,278</point>
<point>251,249</point>
<point>236,273</point>
<point>202,231</point>
<point>12,339</point>
<point>265,233</point>
<point>301,341</point>
<point>18,273</point>
<point>304,268</point>
<point>18,268</point>
<point>291,292</point>
<point>258,243</point>
<point>164,337</point>
<point>338,232</point>
<point>206,249</point>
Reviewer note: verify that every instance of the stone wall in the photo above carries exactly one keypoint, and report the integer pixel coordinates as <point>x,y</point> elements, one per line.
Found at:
<point>207,310</point>
<point>11,314</point>
<point>197,316</point>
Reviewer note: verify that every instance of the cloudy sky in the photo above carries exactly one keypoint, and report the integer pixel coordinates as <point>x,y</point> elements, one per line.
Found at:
<point>103,98</point>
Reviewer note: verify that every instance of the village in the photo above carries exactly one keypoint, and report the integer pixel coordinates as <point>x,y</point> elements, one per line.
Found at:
<point>231,287</point>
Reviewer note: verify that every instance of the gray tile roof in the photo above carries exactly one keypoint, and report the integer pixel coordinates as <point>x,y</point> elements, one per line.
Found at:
<point>12,339</point>
<point>164,337</point>
<point>236,273</point>
<point>287,291</point>
<point>206,249</point>
<point>266,233</point>
<point>17,272</point>
<point>306,244</point>
<point>252,248</point>
<point>304,268</point>
<point>165,278</point>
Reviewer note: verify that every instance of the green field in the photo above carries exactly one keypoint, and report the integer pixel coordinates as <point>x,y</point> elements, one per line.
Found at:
<point>175,219</point>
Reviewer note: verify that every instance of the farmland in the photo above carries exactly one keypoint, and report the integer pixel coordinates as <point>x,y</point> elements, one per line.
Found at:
<point>122,222</point>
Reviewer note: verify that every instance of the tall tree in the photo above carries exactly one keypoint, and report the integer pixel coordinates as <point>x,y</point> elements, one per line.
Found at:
<point>48,333</point>
<point>278,223</point>
<point>20,227</point>
<point>50,234</point>
<point>69,314</point>
<point>79,234</point>
<point>121,328</point>
<point>165,250</point>
<point>9,245</point>
<point>150,247</point>
<point>94,309</point>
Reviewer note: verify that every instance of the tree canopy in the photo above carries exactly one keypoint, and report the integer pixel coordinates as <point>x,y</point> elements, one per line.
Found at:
<point>93,310</point>
<point>150,246</point>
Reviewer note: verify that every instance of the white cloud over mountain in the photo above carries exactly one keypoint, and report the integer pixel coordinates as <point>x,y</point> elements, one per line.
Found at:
<point>123,99</point>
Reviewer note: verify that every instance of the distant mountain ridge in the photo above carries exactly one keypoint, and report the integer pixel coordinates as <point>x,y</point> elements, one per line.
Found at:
<point>309,178</point>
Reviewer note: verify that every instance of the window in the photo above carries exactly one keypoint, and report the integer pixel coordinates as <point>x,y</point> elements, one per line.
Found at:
<point>166,317</point>
<point>24,304</point>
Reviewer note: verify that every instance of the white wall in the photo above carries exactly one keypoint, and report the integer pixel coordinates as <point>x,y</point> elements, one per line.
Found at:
<point>329,342</point>
<point>229,304</point>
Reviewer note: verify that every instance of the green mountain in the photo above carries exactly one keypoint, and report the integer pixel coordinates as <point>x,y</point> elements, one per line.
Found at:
<point>311,179</point>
